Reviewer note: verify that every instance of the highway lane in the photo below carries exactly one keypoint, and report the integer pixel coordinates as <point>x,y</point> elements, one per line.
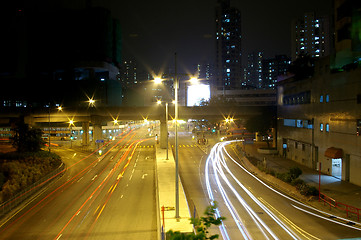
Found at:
<point>192,160</point>
<point>256,211</point>
<point>99,197</point>
<point>260,212</point>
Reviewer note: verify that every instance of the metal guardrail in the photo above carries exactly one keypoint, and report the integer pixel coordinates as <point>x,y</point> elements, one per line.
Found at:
<point>344,207</point>
<point>26,193</point>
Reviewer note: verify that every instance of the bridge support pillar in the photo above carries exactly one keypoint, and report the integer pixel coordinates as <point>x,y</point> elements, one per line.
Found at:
<point>85,136</point>
<point>97,129</point>
<point>163,134</point>
<point>97,132</point>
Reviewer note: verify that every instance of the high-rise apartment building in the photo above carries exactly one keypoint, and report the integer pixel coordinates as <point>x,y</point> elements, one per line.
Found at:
<point>129,73</point>
<point>272,68</point>
<point>263,73</point>
<point>253,76</point>
<point>204,71</point>
<point>310,36</point>
<point>228,46</point>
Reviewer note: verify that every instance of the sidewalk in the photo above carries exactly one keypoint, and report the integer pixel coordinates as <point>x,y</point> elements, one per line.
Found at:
<point>166,194</point>
<point>341,191</point>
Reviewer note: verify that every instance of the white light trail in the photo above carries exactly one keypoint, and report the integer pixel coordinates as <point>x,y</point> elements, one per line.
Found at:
<point>217,173</point>
<point>217,161</point>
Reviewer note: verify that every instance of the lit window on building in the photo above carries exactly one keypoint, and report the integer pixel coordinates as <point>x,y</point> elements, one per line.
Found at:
<point>327,98</point>
<point>321,127</point>
<point>327,127</point>
<point>321,98</point>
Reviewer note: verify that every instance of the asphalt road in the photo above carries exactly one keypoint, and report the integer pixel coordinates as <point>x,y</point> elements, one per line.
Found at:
<point>253,210</point>
<point>108,196</point>
<point>112,196</point>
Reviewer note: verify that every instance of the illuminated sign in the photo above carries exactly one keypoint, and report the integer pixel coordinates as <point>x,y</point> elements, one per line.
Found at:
<point>197,93</point>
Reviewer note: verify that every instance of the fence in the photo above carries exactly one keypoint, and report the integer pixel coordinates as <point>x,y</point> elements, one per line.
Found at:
<point>20,197</point>
<point>343,207</point>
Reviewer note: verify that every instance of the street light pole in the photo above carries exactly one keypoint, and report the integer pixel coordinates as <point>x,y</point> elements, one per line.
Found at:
<point>166,124</point>
<point>49,127</point>
<point>176,138</point>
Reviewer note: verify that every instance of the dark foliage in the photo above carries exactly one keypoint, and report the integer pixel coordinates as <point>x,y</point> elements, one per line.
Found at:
<point>261,123</point>
<point>19,170</point>
<point>201,226</point>
<point>26,139</point>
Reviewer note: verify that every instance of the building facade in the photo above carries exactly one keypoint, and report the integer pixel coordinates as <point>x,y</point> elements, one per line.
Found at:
<point>319,121</point>
<point>263,73</point>
<point>311,36</point>
<point>272,68</point>
<point>228,64</point>
<point>253,75</point>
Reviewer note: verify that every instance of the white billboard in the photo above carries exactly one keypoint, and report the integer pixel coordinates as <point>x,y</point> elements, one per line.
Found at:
<point>195,93</point>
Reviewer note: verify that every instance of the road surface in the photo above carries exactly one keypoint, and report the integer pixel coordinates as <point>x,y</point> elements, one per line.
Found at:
<point>108,196</point>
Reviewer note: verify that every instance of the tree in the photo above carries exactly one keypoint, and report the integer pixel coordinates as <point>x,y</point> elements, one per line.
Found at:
<point>201,226</point>
<point>218,101</point>
<point>261,124</point>
<point>26,139</point>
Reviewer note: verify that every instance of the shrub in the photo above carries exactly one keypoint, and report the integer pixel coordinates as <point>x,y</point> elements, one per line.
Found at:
<point>20,170</point>
<point>295,172</point>
<point>201,226</point>
<point>297,182</point>
<point>284,177</point>
<point>309,190</point>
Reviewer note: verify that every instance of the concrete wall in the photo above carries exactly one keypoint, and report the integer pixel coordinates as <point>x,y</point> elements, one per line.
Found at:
<point>340,113</point>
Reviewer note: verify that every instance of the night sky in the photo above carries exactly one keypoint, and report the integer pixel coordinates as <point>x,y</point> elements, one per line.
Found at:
<point>154,30</point>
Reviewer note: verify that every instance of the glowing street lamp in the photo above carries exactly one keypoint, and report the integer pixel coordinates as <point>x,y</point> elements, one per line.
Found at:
<point>176,84</point>
<point>194,80</point>
<point>229,120</point>
<point>91,102</point>
<point>71,123</point>
<point>157,80</point>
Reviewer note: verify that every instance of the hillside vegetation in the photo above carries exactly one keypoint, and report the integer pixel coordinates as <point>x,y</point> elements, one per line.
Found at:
<point>19,170</point>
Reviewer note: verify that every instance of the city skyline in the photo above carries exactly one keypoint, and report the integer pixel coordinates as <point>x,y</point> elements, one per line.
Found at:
<point>153,31</point>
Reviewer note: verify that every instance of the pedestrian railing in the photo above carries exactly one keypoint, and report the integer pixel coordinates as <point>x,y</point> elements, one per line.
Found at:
<point>26,193</point>
<point>343,207</point>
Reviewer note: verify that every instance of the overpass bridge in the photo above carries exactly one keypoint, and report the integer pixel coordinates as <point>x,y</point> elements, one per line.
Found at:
<point>102,116</point>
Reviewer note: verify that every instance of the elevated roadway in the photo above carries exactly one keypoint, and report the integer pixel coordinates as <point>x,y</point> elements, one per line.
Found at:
<point>102,115</point>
